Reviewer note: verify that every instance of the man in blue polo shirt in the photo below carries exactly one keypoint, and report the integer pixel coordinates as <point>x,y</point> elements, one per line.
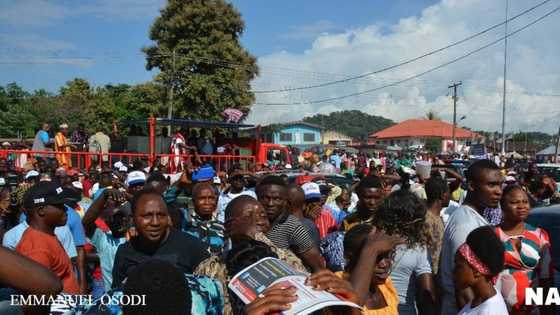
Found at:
<point>42,140</point>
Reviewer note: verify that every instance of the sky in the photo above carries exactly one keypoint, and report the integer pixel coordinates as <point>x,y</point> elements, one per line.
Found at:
<point>45,43</point>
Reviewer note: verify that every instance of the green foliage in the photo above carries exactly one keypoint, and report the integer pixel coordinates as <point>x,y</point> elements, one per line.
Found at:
<point>353,123</point>
<point>198,53</point>
<point>431,115</point>
<point>433,145</point>
<point>533,137</point>
<point>77,102</point>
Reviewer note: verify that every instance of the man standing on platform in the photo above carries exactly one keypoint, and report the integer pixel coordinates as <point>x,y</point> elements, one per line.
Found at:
<point>61,144</point>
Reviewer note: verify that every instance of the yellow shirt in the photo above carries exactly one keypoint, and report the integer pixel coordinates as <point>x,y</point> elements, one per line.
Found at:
<point>457,194</point>
<point>389,294</point>
<point>59,145</point>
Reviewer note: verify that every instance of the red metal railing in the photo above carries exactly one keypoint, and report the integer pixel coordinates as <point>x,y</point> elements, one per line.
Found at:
<point>86,160</point>
<point>220,162</point>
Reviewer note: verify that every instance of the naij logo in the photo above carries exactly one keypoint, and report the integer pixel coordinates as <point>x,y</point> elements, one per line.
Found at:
<point>536,296</point>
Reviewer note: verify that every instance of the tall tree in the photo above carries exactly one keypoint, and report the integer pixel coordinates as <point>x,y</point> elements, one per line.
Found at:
<point>199,55</point>
<point>431,115</point>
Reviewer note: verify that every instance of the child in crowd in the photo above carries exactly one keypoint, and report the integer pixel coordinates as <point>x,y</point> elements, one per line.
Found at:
<point>477,262</point>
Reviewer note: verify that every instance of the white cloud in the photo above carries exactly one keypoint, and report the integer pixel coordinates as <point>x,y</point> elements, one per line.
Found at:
<point>31,13</point>
<point>33,43</point>
<point>533,67</point>
<point>79,62</point>
<point>123,9</point>
<point>39,13</point>
<point>30,49</point>
<point>309,31</point>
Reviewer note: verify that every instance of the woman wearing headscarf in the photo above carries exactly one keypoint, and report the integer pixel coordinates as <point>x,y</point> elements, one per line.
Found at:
<point>527,253</point>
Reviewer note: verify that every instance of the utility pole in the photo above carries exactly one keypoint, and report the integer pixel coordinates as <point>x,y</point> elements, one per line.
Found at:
<point>170,105</point>
<point>454,86</point>
<point>505,77</point>
<point>525,150</point>
<point>557,145</point>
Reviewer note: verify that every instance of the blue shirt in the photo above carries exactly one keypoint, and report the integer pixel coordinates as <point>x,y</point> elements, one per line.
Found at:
<point>332,249</point>
<point>98,193</point>
<point>209,232</point>
<point>44,136</point>
<point>337,213</point>
<point>226,198</point>
<point>336,160</point>
<point>106,245</point>
<point>410,263</point>
<point>76,227</point>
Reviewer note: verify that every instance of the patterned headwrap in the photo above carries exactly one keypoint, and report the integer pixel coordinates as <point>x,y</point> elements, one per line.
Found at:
<point>473,260</point>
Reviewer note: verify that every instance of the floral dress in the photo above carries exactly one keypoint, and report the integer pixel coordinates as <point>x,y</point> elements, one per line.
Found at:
<point>527,262</point>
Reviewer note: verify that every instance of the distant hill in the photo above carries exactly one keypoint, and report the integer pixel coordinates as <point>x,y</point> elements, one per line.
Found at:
<point>353,123</point>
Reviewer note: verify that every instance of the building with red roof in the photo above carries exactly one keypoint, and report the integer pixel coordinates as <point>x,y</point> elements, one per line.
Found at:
<point>413,133</point>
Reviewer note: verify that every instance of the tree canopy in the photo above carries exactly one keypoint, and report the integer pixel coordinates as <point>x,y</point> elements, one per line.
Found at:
<point>77,102</point>
<point>198,53</point>
<point>353,123</point>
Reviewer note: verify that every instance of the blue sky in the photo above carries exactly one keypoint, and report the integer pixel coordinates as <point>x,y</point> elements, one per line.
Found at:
<point>43,44</point>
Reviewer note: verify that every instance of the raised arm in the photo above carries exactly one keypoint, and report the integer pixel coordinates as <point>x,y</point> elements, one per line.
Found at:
<point>377,243</point>
<point>97,207</point>
<point>24,274</point>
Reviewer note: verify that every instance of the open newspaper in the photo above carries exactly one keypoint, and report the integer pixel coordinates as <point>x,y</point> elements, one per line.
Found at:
<point>253,280</point>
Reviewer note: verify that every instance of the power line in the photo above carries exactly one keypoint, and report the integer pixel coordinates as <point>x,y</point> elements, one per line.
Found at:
<point>409,60</point>
<point>421,73</point>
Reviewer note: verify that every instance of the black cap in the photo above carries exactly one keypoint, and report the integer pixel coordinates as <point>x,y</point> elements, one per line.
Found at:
<point>43,193</point>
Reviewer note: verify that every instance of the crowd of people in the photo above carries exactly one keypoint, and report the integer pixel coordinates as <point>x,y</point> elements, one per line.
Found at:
<point>407,236</point>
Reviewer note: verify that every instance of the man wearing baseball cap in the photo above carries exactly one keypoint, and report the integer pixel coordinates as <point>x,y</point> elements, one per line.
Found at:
<point>135,181</point>
<point>314,210</point>
<point>44,203</point>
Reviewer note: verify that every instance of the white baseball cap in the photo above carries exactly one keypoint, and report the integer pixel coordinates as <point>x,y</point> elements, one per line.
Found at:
<point>78,185</point>
<point>311,190</point>
<point>31,173</point>
<point>217,180</point>
<point>136,177</point>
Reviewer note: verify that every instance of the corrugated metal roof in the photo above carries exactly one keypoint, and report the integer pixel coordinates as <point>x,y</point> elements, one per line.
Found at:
<point>423,128</point>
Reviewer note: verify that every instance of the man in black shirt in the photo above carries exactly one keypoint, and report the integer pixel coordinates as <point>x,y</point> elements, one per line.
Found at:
<point>156,239</point>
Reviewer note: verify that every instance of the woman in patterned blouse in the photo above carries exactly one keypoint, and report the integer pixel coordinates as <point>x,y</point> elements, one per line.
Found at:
<point>527,253</point>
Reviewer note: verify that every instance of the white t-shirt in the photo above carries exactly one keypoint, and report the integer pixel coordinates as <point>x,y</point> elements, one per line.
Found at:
<point>463,221</point>
<point>492,306</point>
<point>225,199</point>
<point>448,211</point>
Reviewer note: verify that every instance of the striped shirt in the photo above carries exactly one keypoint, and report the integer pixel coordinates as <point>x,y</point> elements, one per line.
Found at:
<point>528,260</point>
<point>288,232</point>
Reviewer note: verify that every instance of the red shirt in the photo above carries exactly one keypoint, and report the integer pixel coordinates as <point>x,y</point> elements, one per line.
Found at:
<point>325,223</point>
<point>47,250</point>
<point>87,186</point>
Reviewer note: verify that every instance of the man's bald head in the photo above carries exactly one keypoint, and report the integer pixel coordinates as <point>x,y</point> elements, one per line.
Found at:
<point>296,197</point>
<point>236,206</point>
<point>245,216</point>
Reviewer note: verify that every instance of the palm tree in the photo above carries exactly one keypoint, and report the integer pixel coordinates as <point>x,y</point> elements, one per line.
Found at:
<point>431,115</point>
